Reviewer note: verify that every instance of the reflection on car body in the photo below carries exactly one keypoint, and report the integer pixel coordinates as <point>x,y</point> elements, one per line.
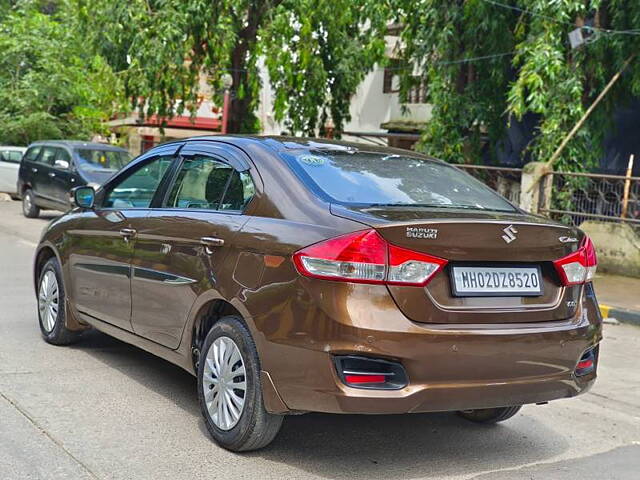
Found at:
<point>50,169</point>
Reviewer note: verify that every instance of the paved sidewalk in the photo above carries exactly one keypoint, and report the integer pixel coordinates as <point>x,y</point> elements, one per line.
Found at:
<point>619,297</point>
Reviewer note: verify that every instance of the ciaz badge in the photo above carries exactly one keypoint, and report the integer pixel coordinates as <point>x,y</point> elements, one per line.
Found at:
<point>568,239</point>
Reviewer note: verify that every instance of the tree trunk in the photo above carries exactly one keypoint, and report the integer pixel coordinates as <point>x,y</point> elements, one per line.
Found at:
<point>241,116</point>
<point>241,112</point>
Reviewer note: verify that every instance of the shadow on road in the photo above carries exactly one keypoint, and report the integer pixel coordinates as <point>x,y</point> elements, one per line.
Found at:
<point>356,446</point>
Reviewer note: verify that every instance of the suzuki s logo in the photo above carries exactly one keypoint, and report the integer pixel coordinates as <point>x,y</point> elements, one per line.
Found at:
<point>509,234</point>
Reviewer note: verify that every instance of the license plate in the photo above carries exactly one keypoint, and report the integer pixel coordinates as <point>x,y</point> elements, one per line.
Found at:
<point>496,281</point>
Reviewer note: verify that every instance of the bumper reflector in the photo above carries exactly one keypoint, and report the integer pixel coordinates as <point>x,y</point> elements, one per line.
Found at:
<point>365,378</point>
<point>370,373</point>
<point>587,362</point>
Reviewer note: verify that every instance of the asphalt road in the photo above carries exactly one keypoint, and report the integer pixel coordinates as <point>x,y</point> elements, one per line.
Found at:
<point>103,409</point>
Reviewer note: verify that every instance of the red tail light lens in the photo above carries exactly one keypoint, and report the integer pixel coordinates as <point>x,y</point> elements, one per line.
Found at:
<point>356,257</point>
<point>584,364</point>
<point>365,257</point>
<point>580,266</point>
<point>360,379</point>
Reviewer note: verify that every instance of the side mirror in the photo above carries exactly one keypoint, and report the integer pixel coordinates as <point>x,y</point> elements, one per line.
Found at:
<point>61,164</point>
<point>83,197</point>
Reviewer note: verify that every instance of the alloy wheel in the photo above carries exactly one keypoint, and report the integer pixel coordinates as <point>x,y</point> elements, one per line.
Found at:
<point>224,383</point>
<point>27,203</point>
<point>48,300</point>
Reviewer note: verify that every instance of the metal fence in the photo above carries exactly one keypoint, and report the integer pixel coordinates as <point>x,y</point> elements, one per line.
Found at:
<point>576,197</point>
<point>505,181</point>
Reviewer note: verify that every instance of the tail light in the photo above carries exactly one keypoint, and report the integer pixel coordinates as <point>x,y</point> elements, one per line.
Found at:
<point>366,257</point>
<point>580,266</point>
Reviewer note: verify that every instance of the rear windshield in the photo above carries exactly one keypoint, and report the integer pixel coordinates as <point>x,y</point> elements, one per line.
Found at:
<point>374,179</point>
<point>96,159</point>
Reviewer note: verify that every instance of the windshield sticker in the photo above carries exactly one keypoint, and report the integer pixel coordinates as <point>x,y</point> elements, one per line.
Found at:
<point>313,160</point>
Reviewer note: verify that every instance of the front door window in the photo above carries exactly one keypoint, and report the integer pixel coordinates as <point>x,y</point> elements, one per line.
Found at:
<point>139,187</point>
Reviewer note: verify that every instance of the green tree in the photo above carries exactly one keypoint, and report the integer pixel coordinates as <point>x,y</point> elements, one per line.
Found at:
<point>530,69</point>
<point>316,51</point>
<point>50,87</point>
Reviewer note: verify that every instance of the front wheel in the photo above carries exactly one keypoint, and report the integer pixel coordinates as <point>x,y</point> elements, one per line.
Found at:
<point>489,415</point>
<point>230,391</point>
<point>29,207</point>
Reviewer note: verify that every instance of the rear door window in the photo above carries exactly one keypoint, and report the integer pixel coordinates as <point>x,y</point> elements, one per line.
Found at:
<point>239,192</point>
<point>207,183</point>
<point>200,183</point>
<point>378,179</point>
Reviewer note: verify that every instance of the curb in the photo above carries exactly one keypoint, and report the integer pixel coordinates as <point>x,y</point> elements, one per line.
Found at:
<point>620,314</point>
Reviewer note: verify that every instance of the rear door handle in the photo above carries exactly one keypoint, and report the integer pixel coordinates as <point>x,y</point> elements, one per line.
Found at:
<point>51,174</point>
<point>34,169</point>
<point>211,242</point>
<point>127,233</point>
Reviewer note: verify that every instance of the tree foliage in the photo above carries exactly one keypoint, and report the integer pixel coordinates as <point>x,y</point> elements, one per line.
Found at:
<point>50,86</point>
<point>316,51</point>
<point>539,73</point>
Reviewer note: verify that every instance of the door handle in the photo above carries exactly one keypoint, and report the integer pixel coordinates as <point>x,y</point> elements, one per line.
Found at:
<point>211,242</point>
<point>51,174</point>
<point>127,233</point>
<point>34,169</point>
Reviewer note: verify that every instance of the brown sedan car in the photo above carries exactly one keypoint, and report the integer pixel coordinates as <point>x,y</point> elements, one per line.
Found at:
<point>296,275</point>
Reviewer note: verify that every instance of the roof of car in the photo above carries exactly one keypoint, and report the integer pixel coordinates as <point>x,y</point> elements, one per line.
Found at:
<point>12,147</point>
<point>77,144</point>
<point>284,143</point>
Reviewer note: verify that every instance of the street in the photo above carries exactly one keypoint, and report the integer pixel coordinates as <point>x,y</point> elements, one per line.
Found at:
<point>103,409</point>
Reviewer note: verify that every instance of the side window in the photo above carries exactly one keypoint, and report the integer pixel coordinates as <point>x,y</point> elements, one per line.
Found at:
<point>200,183</point>
<point>48,155</point>
<point>139,187</point>
<point>239,192</point>
<point>63,159</point>
<point>32,154</point>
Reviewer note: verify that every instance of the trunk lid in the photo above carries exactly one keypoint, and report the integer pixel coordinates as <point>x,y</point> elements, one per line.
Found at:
<point>487,240</point>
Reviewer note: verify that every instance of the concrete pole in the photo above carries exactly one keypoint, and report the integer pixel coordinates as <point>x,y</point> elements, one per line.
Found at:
<point>530,191</point>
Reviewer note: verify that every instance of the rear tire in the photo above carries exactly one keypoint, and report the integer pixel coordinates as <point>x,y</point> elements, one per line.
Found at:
<point>230,391</point>
<point>489,415</point>
<point>51,306</point>
<point>29,207</point>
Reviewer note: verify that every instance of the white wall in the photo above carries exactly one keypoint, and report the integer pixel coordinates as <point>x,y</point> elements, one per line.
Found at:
<point>369,106</point>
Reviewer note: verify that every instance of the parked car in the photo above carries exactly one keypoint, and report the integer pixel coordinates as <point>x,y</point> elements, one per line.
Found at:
<point>293,276</point>
<point>50,169</point>
<point>9,165</point>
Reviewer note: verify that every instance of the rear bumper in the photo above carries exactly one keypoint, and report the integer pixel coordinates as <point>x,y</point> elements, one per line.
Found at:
<point>462,396</point>
<point>448,367</point>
